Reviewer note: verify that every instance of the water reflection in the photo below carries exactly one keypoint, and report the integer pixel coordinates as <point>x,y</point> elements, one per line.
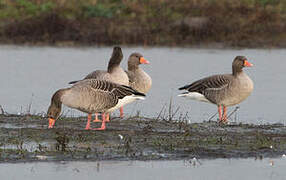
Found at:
<point>232,169</point>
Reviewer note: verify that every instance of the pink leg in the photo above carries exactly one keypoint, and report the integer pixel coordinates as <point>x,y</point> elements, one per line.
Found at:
<point>219,113</point>
<point>96,118</point>
<point>87,127</point>
<point>224,116</point>
<point>51,122</point>
<point>102,124</point>
<point>107,118</point>
<point>121,112</point>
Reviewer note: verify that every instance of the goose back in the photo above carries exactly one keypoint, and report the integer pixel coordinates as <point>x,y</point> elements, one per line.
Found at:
<point>114,72</point>
<point>118,75</point>
<point>93,95</point>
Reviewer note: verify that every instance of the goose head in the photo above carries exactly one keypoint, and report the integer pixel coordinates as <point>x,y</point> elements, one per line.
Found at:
<point>239,63</point>
<point>55,108</point>
<point>135,59</point>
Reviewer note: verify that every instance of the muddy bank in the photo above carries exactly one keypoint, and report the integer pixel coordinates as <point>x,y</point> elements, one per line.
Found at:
<point>26,138</point>
<point>217,23</point>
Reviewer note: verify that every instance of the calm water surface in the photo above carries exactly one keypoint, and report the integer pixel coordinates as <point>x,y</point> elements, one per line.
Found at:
<point>218,169</point>
<point>33,74</point>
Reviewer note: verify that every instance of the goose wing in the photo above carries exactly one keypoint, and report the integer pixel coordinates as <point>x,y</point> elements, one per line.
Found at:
<point>98,74</point>
<point>119,91</point>
<point>212,83</point>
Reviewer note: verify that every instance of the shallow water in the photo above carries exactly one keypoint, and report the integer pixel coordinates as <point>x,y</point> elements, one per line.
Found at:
<point>30,75</point>
<point>218,169</point>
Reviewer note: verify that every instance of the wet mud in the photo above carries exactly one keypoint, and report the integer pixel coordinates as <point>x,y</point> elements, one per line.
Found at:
<point>27,138</point>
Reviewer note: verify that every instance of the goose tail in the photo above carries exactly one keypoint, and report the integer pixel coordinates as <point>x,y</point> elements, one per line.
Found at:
<point>73,82</point>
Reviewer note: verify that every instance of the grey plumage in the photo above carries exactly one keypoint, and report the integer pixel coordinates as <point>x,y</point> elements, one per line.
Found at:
<point>92,95</point>
<point>225,89</point>
<point>138,79</point>
<point>214,88</point>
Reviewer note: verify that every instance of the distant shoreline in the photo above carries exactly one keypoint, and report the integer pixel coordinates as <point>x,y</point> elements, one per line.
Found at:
<point>215,24</point>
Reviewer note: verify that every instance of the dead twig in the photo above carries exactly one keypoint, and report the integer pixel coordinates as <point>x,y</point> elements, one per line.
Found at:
<point>2,110</point>
<point>160,113</point>
<point>212,116</point>
<point>172,113</point>
<point>234,111</point>
<point>30,105</point>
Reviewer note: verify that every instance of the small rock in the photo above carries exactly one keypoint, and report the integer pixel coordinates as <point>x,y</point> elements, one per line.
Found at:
<point>40,157</point>
<point>121,137</point>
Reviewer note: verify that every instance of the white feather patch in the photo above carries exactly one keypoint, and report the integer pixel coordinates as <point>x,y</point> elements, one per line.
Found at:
<point>126,100</point>
<point>195,96</point>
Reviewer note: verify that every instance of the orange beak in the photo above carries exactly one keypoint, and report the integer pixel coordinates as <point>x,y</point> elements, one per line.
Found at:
<point>51,122</point>
<point>247,64</point>
<point>144,61</point>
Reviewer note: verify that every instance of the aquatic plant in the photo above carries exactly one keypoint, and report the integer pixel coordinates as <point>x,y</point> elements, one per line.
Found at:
<point>62,141</point>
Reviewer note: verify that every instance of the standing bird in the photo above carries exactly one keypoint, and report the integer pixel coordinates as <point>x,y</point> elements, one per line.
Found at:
<point>113,74</point>
<point>138,79</point>
<point>92,96</point>
<point>223,90</point>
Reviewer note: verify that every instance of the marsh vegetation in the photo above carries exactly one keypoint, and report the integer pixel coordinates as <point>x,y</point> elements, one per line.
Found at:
<point>247,23</point>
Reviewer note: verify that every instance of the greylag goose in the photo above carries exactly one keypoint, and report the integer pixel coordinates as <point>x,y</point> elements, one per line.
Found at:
<point>114,73</point>
<point>92,96</point>
<point>138,79</point>
<point>223,90</point>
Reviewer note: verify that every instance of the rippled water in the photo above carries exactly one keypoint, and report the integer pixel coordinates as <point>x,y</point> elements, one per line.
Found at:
<point>218,169</point>
<point>33,74</point>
